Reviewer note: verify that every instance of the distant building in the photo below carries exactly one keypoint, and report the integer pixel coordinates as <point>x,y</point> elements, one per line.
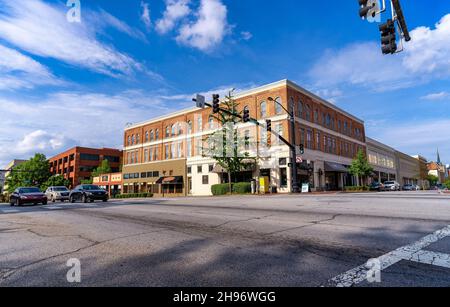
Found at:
<point>408,169</point>
<point>383,160</point>
<point>2,180</point>
<point>112,183</point>
<point>423,171</point>
<point>437,169</point>
<point>7,171</point>
<point>77,164</point>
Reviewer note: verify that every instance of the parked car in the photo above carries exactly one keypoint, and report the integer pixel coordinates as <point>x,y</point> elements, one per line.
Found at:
<point>88,193</point>
<point>417,187</point>
<point>23,196</point>
<point>376,186</point>
<point>392,186</point>
<point>408,187</point>
<point>57,194</point>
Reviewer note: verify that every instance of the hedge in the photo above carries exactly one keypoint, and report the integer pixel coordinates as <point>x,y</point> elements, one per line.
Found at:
<point>238,188</point>
<point>357,188</point>
<point>133,195</point>
<point>220,189</point>
<point>242,188</point>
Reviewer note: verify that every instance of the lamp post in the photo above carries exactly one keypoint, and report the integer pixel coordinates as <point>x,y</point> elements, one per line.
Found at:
<point>294,186</point>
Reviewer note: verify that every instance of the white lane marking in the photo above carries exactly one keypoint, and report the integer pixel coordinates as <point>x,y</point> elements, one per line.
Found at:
<point>433,258</point>
<point>10,210</point>
<point>360,273</point>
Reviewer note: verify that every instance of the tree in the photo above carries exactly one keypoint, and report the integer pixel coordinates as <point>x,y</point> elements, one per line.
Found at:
<point>225,145</point>
<point>104,168</point>
<point>433,180</point>
<point>55,181</point>
<point>360,166</point>
<point>447,183</point>
<point>33,172</point>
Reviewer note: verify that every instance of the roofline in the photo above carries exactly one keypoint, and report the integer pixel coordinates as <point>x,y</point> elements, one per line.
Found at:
<point>284,82</point>
<point>81,147</point>
<point>369,139</point>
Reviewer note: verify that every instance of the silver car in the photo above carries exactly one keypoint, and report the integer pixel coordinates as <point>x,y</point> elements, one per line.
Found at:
<point>57,194</point>
<point>392,186</point>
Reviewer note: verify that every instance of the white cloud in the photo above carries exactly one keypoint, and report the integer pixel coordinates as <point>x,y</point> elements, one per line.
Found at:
<point>42,29</point>
<point>436,96</point>
<point>245,35</point>
<point>145,15</point>
<point>103,19</point>
<point>416,138</point>
<point>175,11</point>
<point>209,29</point>
<point>20,71</point>
<point>426,57</point>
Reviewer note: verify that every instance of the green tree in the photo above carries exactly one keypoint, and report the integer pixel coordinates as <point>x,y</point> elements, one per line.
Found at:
<point>447,183</point>
<point>33,172</point>
<point>433,180</point>
<point>360,166</point>
<point>226,144</point>
<point>104,168</point>
<point>55,181</point>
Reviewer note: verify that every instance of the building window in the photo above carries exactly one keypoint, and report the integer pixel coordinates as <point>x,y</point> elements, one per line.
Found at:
<point>189,124</point>
<point>157,135</point>
<point>211,123</point>
<point>283,177</point>
<point>308,112</point>
<point>199,124</point>
<point>152,136</point>
<point>138,139</point>
<point>205,179</point>
<point>129,140</point>
<point>263,109</point>
<point>309,138</point>
<point>146,136</point>
<point>316,116</point>
<point>300,108</point>
<point>174,130</point>
<point>318,141</point>
<point>247,139</point>
<point>189,170</point>
<point>167,132</point>
<point>280,133</point>
<point>145,155</point>
<point>189,148</point>
<point>278,106</point>
<point>199,169</point>
<point>89,157</point>
<point>166,151</point>
<point>211,168</point>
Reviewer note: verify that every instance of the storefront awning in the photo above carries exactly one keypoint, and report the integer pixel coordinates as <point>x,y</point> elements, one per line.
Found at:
<point>335,167</point>
<point>170,180</point>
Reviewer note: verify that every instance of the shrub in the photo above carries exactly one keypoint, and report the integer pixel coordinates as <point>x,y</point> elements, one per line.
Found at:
<point>133,195</point>
<point>356,188</point>
<point>220,189</point>
<point>242,188</point>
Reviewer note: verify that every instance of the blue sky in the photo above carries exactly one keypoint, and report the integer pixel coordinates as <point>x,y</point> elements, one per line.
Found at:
<point>65,84</point>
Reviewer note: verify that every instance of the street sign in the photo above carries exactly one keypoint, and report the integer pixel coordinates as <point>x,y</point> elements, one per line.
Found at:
<point>305,188</point>
<point>200,101</point>
<point>299,159</point>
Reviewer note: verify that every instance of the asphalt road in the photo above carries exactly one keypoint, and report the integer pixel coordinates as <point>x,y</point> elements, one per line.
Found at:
<point>232,241</point>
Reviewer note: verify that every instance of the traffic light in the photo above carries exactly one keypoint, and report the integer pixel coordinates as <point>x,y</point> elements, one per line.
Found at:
<point>367,8</point>
<point>269,125</point>
<point>388,37</point>
<point>246,116</point>
<point>216,103</point>
<point>302,149</point>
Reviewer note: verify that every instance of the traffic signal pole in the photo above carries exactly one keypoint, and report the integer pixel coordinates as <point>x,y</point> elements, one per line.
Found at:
<point>292,148</point>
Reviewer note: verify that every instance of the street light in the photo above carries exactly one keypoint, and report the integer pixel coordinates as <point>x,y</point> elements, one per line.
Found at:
<point>292,147</point>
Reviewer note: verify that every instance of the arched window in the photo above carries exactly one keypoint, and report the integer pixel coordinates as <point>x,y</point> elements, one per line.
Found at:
<point>133,139</point>
<point>278,106</point>
<point>152,136</point>
<point>180,129</point>
<point>308,112</point>
<point>167,131</point>
<point>316,116</point>
<point>211,123</point>
<point>174,129</point>
<point>263,109</point>
<point>129,140</point>
<point>157,135</point>
<point>300,108</point>
<point>189,126</point>
<point>328,123</point>
<point>138,139</point>
<point>199,124</point>
<point>146,136</point>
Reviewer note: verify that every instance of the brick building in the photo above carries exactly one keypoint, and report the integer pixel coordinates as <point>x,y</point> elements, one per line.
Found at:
<point>164,155</point>
<point>77,164</point>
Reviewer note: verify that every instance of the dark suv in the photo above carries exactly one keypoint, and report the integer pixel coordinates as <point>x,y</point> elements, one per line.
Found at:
<point>88,193</point>
<point>27,196</point>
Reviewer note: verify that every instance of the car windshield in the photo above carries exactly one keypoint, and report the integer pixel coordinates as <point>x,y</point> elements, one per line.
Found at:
<point>29,190</point>
<point>91,188</point>
<point>389,182</point>
<point>60,189</point>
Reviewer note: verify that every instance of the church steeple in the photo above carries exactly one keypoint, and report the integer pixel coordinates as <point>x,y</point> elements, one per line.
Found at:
<point>438,157</point>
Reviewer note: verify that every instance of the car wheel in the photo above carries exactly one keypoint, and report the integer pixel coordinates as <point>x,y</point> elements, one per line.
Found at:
<point>105,200</point>
<point>84,199</point>
<point>72,199</point>
<point>18,204</point>
<point>44,203</point>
